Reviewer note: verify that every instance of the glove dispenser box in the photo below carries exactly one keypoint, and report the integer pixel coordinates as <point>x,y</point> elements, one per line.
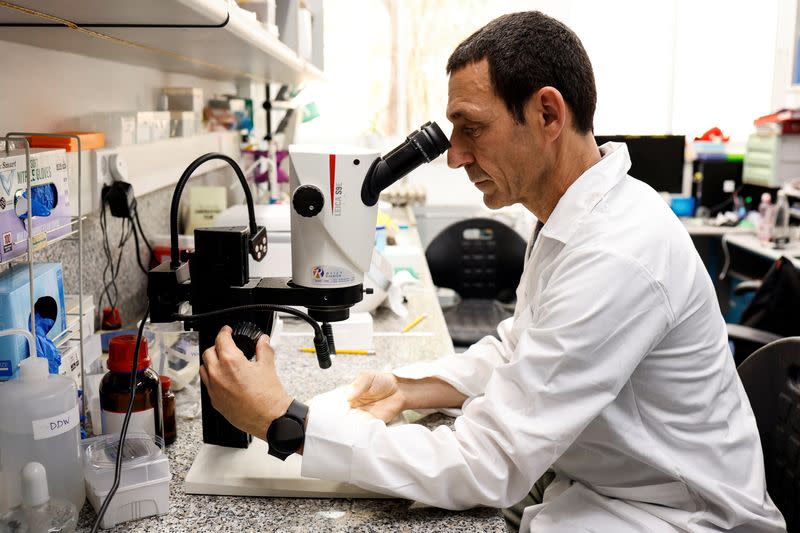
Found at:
<point>50,205</point>
<point>15,309</point>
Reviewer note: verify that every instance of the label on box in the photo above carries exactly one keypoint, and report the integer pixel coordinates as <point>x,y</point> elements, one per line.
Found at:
<point>48,168</point>
<point>46,428</point>
<point>5,369</point>
<point>141,422</point>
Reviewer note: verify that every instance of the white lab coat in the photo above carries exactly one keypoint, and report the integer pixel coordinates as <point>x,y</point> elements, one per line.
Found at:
<point>614,370</point>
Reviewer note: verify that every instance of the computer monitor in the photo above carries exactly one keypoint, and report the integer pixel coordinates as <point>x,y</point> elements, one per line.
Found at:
<point>655,159</point>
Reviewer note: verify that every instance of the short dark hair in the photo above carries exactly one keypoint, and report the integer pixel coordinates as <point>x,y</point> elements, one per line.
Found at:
<point>527,51</point>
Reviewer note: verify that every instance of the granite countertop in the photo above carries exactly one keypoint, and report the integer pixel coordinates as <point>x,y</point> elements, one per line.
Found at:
<point>304,379</point>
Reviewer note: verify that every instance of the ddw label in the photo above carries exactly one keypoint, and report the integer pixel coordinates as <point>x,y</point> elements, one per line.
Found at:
<point>46,428</point>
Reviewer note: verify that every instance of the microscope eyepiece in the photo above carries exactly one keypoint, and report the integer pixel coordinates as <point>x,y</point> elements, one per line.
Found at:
<point>422,146</point>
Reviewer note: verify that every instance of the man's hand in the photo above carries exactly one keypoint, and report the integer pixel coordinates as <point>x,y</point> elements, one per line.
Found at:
<point>384,395</point>
<point>378,394</point>
<point>247,393</point>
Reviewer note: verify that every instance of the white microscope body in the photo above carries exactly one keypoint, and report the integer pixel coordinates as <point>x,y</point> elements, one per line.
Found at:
<point>333,231</point>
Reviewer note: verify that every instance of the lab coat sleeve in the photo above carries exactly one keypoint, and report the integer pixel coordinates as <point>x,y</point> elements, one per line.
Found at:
<point>468,372</point>
<point>598,317</point>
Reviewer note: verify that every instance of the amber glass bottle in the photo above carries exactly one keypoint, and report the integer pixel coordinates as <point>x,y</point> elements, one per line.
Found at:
<point>115,389</point>
<point>168,407</point>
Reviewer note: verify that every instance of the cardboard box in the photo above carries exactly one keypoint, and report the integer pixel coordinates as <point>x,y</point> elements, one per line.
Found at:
<point>15,308</point>
<point>48,168</point>
<point>182,124</point>
<point>71,361</point>
<point>205,204</point>
<point>119,127</point>
<point>184,99</point>
<point>159,129</point>
<point>144,127</point>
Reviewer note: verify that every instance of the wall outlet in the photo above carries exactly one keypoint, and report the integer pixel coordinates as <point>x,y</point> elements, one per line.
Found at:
<point>109,166</point>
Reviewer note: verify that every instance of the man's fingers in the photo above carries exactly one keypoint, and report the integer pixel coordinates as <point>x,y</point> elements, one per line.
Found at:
<point>204,375</point>
<point>210,358</point>
<point>224,339</point>
<point>264,352</point>
<point>358,387</point>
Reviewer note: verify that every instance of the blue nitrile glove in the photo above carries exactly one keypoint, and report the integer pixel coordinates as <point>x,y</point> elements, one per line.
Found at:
<point>44,346</point>
<point>44,200</point>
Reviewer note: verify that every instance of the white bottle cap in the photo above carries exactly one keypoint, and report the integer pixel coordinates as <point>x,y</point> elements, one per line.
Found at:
<point>34,485</point>
<point>33,369</point>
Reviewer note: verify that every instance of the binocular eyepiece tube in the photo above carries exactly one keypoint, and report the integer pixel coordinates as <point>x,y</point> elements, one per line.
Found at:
<point>422,146</point>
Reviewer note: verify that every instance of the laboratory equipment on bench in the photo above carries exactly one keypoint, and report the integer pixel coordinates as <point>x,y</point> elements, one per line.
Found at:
<point>115,389</point>
<point>168,408</point>
<point>39,421</point>
<point>334,193</point>
<point>38,512</point>
<point>780,230</point>
<point>143,482</point>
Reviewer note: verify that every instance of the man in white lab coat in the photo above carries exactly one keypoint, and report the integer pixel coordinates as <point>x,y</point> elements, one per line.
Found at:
<point>614,371</point>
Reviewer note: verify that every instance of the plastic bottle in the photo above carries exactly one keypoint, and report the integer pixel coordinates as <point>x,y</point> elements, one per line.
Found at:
<point>115,389</point>
<point>39,421</point>
<point>380,238</point>
<point>38,512</point>
<point>168,407</point>
<point>765,221</point>
<point>780,232</point>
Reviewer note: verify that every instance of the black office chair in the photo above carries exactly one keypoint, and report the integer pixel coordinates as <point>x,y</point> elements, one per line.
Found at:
<point>773,313</point>
<point>771,378</point>
<point>481,260</point>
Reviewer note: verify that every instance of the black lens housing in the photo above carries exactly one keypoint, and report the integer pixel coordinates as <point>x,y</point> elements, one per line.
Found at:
<point>422,146</point>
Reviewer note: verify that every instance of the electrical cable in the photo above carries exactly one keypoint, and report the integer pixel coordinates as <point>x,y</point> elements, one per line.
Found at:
<point>320,340</point>
<point>109,260</point>
<point>176,199</point>
<point>141,232</point>
<point>138,254</point>
<point>727,265</point>
<point>110,289</point>
<point>728,200</point>
<point>124,431</point>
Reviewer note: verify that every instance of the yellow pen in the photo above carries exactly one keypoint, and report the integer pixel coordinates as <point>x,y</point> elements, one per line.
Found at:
<point>414,322</point>
<point>343,352</point>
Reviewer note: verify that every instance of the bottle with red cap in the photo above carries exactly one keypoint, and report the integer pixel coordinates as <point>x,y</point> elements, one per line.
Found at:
<point>115,389</point>
<point>168,407</point>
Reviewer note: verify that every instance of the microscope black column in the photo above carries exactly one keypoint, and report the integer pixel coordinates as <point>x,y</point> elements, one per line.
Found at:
<point>220,279</point>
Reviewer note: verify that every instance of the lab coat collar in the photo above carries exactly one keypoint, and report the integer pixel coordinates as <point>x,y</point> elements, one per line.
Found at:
<point>586,191</point>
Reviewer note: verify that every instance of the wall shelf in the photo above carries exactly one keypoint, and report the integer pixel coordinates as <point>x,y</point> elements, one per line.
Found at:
<point>154,165</point>
<point>206,38</point>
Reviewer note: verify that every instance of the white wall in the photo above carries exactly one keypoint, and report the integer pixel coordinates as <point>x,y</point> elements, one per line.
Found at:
<point>48,90</point>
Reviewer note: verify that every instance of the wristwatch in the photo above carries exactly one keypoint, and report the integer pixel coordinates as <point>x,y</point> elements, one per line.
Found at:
<point>286,434</point>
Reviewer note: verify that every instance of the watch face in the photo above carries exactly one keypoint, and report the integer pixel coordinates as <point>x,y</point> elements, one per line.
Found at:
<point>285,435</point>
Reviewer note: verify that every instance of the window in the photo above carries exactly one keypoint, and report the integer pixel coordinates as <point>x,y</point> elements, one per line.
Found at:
<point>668,66</point>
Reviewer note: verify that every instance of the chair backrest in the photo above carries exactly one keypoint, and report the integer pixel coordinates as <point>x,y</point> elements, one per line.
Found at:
<point>771,378</point>
<point>775,307</point>
<point>477,258</point>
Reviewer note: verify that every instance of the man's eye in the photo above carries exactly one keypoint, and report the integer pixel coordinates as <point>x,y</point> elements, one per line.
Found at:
<point>472,132</point>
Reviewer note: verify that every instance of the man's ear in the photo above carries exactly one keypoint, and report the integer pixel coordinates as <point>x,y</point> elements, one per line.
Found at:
<point>549,110</point>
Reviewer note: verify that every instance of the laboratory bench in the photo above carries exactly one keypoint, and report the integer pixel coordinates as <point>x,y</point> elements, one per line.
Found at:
<point>303,379</point>
<point>749,258</point>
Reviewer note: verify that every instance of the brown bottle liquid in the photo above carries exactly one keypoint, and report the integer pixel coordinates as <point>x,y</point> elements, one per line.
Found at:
<point>115,389</point>
<point>168,406</point>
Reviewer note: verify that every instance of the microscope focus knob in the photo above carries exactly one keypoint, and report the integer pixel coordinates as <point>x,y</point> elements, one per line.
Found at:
<point>245,336</point>
<point>308,200</point>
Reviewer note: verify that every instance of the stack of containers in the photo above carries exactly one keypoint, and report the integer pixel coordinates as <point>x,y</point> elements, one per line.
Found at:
<point>772,156</point>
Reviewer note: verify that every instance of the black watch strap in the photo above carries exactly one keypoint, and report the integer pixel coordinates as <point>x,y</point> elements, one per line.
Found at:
<point>286,434</point>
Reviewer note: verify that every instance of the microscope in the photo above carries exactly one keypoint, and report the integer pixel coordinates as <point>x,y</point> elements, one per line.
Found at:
<point>334,195</point>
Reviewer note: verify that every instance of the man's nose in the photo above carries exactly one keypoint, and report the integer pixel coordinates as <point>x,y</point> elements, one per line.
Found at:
<point>458,155</point>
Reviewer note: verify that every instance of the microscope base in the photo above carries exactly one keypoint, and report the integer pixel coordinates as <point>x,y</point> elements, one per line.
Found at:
<point>252,472</point>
